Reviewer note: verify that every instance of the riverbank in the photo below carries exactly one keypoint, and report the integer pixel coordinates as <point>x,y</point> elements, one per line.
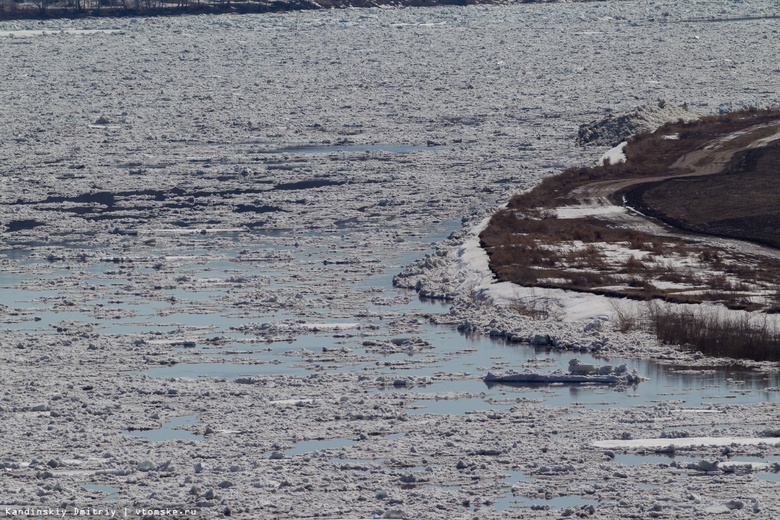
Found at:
<point>49,10</point>
<point>585,229</point>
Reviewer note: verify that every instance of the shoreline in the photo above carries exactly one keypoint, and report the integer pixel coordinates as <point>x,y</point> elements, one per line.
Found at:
<point>588,230</point>
<point>457,272</point>
<point>282,6</point>
<point>241,7</point>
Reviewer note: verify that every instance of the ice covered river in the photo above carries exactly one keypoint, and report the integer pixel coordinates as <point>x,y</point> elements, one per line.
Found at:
<point>185,312</point>
<point>202,219</point>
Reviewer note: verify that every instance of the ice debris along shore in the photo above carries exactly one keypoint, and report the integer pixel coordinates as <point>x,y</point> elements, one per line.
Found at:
<point>578,373</point>
<point>615,129</point>
<point>193,203</point>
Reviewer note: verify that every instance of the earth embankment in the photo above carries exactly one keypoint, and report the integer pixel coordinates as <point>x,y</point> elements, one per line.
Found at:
<point>741,202</point>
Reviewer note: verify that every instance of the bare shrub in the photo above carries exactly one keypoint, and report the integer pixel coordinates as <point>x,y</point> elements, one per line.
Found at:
<point>634,265</point>
<point>588,279</point>
<point>710,257</point>
<point>625,319</point>
<point>522,275</point>
<point>534,307</point>
<point>636,281</point>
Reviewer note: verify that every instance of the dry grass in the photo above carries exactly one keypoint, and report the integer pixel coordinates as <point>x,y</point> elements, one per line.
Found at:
<point>706,330</point>
<point>534,307</point>
<point>570,254</point>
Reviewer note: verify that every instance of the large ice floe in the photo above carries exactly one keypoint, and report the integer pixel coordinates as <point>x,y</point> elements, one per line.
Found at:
<point>201,220</point>
<point>577,373</point>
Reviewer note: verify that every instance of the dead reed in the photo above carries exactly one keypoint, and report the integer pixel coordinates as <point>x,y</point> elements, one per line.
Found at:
<point>746,336</point>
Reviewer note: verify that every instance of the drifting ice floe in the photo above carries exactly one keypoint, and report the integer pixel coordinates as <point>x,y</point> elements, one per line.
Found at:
<point>578,373</point>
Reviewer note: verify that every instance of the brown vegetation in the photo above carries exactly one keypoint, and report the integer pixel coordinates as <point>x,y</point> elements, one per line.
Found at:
<point>707,331</point>
<point>528,245</point>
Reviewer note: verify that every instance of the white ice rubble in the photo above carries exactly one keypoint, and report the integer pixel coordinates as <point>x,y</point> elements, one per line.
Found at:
<point>613,130</point>
<point>578,373</point>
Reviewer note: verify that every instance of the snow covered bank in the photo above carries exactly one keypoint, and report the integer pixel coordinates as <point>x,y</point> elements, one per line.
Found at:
<point>458,271</point>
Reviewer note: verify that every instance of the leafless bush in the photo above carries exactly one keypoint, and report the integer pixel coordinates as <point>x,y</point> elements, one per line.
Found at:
<point>535,307</point>
<point>634,265</point>
<point>625,319</point>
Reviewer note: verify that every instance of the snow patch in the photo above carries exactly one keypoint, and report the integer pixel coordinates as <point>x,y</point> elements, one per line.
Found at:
<point>615,155</point>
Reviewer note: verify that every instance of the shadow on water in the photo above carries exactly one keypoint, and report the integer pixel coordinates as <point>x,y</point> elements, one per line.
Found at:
<point>346,148</point>
<point>510,502</point>
<point>170,431</point>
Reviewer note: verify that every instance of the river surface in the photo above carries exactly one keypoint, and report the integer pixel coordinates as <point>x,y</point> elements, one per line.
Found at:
<point>202,217</point>
<point>175,309</point>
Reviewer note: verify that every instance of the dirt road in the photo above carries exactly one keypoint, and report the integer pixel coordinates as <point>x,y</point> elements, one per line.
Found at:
<point>710,160</point>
